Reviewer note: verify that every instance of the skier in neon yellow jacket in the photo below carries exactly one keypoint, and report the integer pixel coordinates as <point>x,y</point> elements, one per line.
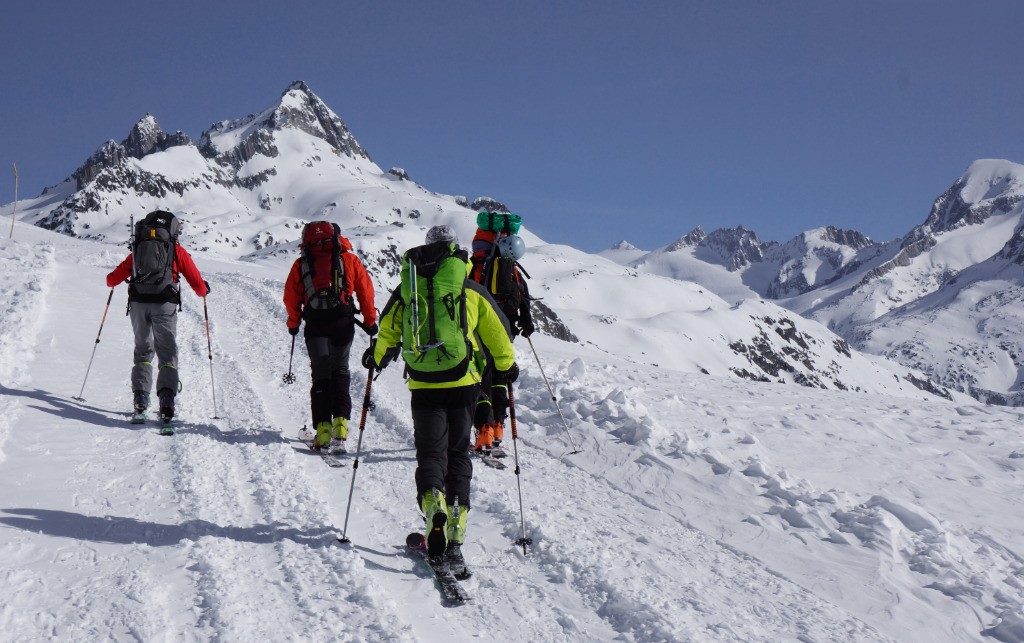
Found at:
<point>442,411</point>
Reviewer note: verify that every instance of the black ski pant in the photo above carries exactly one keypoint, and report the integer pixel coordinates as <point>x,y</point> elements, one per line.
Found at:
<point>442,420</point>
<point>329,346</point>
<point>492,400</point>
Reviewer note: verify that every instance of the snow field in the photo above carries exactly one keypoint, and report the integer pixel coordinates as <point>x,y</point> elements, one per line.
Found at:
<point>700,508</point>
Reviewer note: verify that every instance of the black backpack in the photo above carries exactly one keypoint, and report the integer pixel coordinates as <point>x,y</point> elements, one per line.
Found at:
<point>153,253</point>
<point>503,278</point>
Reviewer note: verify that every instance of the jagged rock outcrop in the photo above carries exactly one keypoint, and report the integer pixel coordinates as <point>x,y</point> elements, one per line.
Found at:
<point>487,204</point>
<point>813,259</point>
<point>144,138</point>
<point>738,247</point>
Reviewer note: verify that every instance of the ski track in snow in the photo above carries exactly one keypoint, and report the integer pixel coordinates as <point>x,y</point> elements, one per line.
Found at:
<point>700,509</point>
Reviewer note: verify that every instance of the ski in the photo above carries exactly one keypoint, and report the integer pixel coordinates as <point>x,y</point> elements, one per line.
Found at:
<point>139,418</point>
<point>452,591</point>
<point>332,459</point>
<point>166,428</point>
<point>489,460</point>
<point>498,452</point>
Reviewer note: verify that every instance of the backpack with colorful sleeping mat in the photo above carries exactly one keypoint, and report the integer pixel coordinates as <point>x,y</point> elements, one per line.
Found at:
<point>495,267</point>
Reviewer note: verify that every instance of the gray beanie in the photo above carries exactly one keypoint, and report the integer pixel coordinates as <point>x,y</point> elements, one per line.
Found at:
<point>442,233</point>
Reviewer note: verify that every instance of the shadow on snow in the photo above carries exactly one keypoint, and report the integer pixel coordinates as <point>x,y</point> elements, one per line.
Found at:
<point>129,531</point>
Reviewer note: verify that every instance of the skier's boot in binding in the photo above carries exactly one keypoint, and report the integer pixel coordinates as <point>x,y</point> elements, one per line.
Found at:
<point>484,439</point>
<point>141,402</point>
<point>166,411</point>
<point>436,512</point>
<point>498,434</point>
<point>166,404</point>
<point>339,433</point>
<point>456,533</point>
<point>323,435</point>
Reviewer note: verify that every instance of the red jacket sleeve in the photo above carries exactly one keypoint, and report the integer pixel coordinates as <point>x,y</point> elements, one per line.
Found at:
<point>122,272</point>
<point>293,297</point>
<point>187,268</point>
<point>361,284</point>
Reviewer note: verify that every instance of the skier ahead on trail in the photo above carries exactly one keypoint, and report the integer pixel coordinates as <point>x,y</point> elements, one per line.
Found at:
<point>154,299</point>
<point>321,290</point>
<point>440,320</point>
<point>497,250</point>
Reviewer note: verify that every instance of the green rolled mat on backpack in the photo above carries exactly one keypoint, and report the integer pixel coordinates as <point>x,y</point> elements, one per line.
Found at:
<point>499,222</point>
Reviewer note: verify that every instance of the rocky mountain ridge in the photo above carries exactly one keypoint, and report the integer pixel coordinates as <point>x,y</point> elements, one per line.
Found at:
<point>250,184</point>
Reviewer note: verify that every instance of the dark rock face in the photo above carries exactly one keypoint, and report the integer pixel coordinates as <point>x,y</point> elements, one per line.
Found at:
<point>548,323</point>
<point>951,211</point>
<point>737,247</point>
<point>487,204</point>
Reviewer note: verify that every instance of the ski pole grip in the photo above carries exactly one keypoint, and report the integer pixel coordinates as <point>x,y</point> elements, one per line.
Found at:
<point>512,411</point>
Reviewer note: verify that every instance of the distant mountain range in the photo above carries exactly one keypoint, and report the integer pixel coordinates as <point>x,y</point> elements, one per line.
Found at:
<point>247,187</point>
<point>946,298</point>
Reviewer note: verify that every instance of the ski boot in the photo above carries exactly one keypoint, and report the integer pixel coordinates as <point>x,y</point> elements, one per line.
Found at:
<point>339,433</point>
<point>141,405</point>
<point>436,512</point>
<point>484,439</point>
<point>323,435</point>
<point>456,533</point>
<point>166,414</point>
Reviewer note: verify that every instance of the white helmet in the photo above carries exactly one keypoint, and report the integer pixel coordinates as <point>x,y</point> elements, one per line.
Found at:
<point>512,247</point>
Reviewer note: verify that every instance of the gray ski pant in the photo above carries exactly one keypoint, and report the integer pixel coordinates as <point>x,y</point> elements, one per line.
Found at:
<point>156,329</point>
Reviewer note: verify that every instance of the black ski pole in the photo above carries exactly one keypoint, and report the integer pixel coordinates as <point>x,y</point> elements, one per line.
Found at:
<point>95,345</point>
<point>359,445</point>
<point>209,350</point>
<point>554,399</point>
<point>289,377</point>
<point>524,541</point>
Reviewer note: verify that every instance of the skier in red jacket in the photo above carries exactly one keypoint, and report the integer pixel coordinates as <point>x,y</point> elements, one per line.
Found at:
<point>319,291</point>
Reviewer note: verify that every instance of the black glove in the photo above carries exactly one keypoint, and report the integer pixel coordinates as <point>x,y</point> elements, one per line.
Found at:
<point>390,355</point>
<point>371,330</point>
<point>207,287</point>
<point>293,331</point>
<point>368,361</point>
<point>527,327</point>
<point>512,374</point>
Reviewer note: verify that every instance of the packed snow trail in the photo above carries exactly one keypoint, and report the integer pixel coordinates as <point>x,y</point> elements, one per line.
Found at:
<point>675,523</point>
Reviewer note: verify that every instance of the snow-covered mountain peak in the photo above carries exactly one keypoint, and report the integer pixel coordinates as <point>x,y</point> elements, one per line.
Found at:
<point>624,245</point>
<point>735,248</point>
<point>691,239</point>
<point>989,186</point>
<point>234,142</point>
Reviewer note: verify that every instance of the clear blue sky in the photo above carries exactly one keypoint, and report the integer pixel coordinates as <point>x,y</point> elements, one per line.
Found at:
<point>595,120</point>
